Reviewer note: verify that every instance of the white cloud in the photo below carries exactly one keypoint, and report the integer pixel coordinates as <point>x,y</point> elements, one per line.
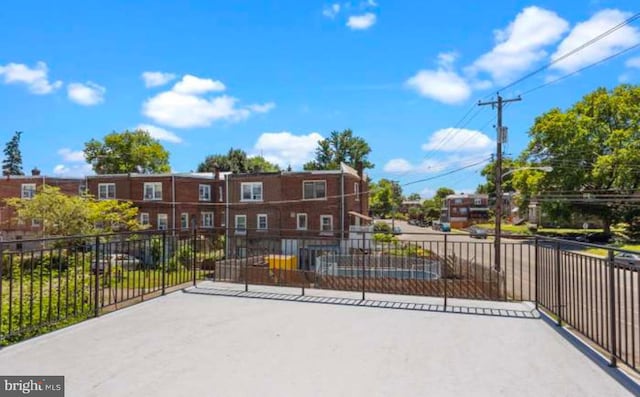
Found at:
<point>443,84</point>
<point>398,166</point>
<point>155,79</point>
<point>361,22</point>
<point>184,106</point>
<point>186,111</point>
<point>73,156</point>
<point>75,170</point>
<point>159,133</point>
<point>35,79</point>
<point>87,94</point>
<point>331,11</point>
<point>264,108</point>
<point>195,85</point>
<point>457,140</point>
<point>284,148</point>
<point>600,22</point>
<point>521,44</point>
<point>633,63</point>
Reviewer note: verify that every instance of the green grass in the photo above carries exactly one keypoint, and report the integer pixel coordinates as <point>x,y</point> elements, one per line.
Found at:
<point>604,252</point>
<point>506,227</point>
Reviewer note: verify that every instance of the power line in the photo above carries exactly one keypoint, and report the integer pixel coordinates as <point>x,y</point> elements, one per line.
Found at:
<point>446,173</point>
<point>573,51</point>
<point>566,76</point>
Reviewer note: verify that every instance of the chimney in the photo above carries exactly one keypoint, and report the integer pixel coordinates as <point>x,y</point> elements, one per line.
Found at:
<point>216,173</point>
<point>35,171</point>
<point>360,169</point>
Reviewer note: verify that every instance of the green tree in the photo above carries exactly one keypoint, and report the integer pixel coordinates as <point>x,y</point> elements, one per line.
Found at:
<point>237,162</point>
<point>414,197</point>
<point>340,147</point>
<point>593,147</point>
<point>385,197</point>
<point>489,173</point>
<point>63,215</point>
<point>12,164</point>
<point>433,206</point>
<point>125,152</point>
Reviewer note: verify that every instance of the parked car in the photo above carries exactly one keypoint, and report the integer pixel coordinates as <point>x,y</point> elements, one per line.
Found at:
<point>445,226</point>
<point>627,260</point>
<point>128,262</point>
<point>477,232</point>
<point>436,225</point>
<point>595,238</point>
<point>397,230</point>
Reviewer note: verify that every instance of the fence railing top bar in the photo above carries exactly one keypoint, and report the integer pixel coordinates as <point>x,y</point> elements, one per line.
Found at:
<point>585,245</point>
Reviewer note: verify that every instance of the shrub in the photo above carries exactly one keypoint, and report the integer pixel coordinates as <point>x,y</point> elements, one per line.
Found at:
<point>181,258</point>
<point>382,227</point>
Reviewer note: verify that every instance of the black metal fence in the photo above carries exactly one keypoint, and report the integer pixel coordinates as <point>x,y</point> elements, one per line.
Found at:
<point>50,283</point>
<point>598,297</point>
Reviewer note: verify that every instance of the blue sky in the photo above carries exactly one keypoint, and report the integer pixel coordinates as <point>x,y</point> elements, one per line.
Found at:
<point>274,77</point>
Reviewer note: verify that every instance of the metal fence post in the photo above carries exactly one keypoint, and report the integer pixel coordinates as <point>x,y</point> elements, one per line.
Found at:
<point>612,309</point>
<point>96,292</point>
<point>558,285</point>
<point>443,272</point>
<point>195,253</point>
<point>536,272</point>
<point>364,235</point>
<point>163,263</point>
<point>246,268</point>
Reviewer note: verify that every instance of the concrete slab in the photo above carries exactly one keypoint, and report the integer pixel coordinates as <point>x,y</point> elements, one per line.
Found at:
<point>211,344</point>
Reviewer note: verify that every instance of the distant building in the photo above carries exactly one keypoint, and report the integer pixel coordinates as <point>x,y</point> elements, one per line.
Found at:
<point>463,210</point>
<point>11,228</point>
<point>266,209</point>
<point>167,201</point>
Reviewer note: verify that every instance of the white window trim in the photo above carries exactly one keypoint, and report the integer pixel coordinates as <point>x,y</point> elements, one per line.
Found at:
<point>187,225</point>
<point>306,221</point>
<point>106,186</point>
<point>207,189</point>
<point>239,230</point>
<point>330,217</point>
<point>166,217</point>
<point>142,216</point>
<point>220,194</point>
<point>152,184</point>
<point>356,190</point>
<point>203,216</point>
<point>243,184</point>
<point>315,181</point>
<point>32,190</point>
<point>266,222</point>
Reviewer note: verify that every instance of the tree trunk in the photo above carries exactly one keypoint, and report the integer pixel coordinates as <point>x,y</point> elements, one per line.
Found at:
<point>606,224</point>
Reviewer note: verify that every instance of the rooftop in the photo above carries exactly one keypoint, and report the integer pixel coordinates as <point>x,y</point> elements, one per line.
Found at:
<point>218,340</point>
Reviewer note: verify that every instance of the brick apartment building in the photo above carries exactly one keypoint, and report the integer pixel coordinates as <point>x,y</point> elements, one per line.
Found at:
<point>26,187</point>
<point>463,210</point>
<point>167,201</point>
<point>268,208</point>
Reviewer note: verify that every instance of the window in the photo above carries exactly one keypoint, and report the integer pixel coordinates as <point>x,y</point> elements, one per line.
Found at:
<point>153,191</point>
<point>477,201</point>
<point>251,191</point>
<point>457,201</point>
<point>463,211</point>
<point>28,190</point>
<point>326,223</point>
<point>241,224</point>
<point>207,219</point>
<point>223,220</point>
<point>262,222</point>
<point>356,190</point>
<point>313,190</point>
<point>106,191</point>
<point>35,223</point>
<point>144,218</point>
<point>184,220</point>
<point>163,221</point>
<point>220,194</point>
<point>205,193</point>
<point>301,221</point>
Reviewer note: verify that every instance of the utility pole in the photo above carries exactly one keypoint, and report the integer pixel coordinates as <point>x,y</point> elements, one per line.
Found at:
<point>501,135</point>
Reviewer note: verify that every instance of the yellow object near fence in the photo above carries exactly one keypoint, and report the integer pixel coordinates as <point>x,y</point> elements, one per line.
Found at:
<point>284,262</point>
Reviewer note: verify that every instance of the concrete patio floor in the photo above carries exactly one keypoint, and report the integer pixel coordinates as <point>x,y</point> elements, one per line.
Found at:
<point>217,341</point>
